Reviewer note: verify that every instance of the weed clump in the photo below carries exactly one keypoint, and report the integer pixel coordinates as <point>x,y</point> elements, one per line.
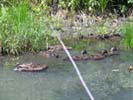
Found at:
<point>21,29</point>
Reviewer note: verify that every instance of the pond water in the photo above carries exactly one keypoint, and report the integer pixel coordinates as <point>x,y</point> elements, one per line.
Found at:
<point>60,81</point>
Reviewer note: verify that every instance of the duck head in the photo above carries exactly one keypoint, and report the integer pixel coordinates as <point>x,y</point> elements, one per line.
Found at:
<point>83,52</point>
<point>20,69</point>
<point>104,53</point>
<point>113,49</point>
<point>130,68</point>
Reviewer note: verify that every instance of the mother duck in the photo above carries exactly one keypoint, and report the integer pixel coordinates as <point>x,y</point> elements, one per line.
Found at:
<point>30,67</point>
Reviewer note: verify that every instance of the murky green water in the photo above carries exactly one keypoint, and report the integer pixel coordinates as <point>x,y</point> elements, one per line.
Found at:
<point>60,82</point>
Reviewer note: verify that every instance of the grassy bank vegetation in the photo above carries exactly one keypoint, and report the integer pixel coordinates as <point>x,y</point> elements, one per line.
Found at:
<point>21,29</point>
<point>128,34</point>
<point>91,6</point>
<point>26,25</point>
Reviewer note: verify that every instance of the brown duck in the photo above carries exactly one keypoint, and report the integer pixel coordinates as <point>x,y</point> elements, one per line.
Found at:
<point>47,53</point>
<point>104,54</point>
<point>51,51</point>
<point>99,56</point>
<point>82,56</point>
<point>30,67</point>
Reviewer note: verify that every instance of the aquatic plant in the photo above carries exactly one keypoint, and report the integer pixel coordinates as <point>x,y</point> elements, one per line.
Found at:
<point>127,29</point>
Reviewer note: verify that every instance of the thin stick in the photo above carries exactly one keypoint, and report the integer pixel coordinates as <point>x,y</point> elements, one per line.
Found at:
<point>76,68</point>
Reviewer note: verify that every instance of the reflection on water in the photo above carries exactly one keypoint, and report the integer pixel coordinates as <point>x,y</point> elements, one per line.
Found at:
<point>125,94</point>
<point>60,81</point>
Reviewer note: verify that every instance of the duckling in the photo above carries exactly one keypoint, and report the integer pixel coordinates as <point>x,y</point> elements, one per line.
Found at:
<point>130,68</point>
<point>30,67</point>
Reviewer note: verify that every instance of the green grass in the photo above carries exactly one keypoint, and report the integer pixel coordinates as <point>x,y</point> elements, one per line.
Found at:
<point>21,29</point>
<point>103,5</point>
<point>127,29</point>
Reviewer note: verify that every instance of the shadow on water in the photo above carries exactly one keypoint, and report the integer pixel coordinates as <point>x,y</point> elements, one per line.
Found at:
<point>60,81</point>
<point>125,93</point>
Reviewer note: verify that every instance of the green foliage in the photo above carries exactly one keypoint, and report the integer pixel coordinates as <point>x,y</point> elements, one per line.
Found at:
<point>103,5</point>
<point>128,34</point>
<point>71,4</point>
<point>130,1</point>
<point>22,30</point>
<point>79,4</point>
<point>93,6</point>
<point>40,5</point>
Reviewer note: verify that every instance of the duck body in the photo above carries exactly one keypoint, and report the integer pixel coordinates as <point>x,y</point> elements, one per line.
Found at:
<point>80,57</point>
<point>52,51</point>
<point>97,57</point>
<point>30,67</point>
<point>47,54</point>
<point>83,56</point>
